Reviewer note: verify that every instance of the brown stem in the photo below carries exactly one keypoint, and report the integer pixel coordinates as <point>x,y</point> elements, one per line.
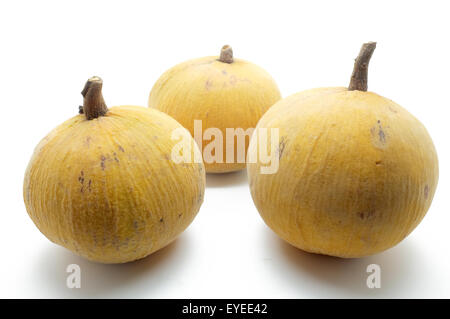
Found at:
<point>226,54</point>
<point>93,105</point>
<point>360,70</point>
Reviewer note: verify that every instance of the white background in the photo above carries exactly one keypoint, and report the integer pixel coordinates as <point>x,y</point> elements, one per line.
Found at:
<point>49,48</point>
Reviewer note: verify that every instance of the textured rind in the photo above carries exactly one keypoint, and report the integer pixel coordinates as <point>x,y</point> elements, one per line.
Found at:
<point>357,172</point>
<point>222,95</point>
<point>107,188</point>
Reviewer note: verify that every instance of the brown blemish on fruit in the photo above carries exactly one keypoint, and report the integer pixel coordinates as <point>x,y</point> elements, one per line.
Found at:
<point>379,136</point>
<point>366,215</point>
<point>81,177</point>
<point>426,191</point>
<point>377,163</point>
<point>121,149</point>
<point>281,147</point>
<point>81,180</point>
<point>102,162</point>
<point>161,220</point>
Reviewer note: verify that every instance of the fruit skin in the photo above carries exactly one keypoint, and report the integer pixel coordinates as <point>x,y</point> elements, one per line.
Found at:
<point>107,188</point>
<point>357,172</point>
<point>222,95</point>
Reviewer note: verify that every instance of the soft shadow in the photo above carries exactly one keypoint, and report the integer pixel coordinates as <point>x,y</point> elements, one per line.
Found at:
<point>226,179</point>
<point>332,277</point>
<point>129,280</point>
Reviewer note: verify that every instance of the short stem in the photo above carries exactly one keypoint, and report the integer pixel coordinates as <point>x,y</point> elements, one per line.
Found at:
<point>226,54</point>
<point>360,70</point>
<point>93,105</point>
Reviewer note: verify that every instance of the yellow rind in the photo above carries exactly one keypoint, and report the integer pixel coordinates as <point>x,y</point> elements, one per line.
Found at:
<point>107,188</point>
<point>221,95</point>
<point>356,175</point>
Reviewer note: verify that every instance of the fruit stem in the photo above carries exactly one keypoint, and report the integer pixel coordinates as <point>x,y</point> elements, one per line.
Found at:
<point>226,54</point>
<point>93,105</point>
<point>360,70</point>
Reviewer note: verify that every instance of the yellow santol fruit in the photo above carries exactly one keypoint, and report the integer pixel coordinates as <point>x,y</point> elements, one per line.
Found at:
<point>103,184</point>
<point>221,92</point>
<point>357,172</point>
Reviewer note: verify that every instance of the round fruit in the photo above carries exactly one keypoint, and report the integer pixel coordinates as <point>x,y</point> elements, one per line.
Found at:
<point>357,172</point>
<point>103,184</point>
<point>221,92</point>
